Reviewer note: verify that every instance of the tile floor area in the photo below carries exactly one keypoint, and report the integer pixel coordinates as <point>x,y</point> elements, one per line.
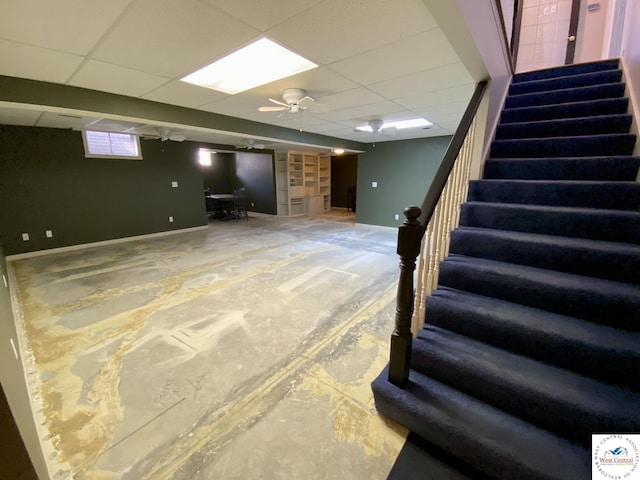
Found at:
<point>241,351</point>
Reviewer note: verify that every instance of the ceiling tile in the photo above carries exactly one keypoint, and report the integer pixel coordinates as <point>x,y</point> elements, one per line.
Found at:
<point>419,52</point>
<point>36,63</point>
<point>235,106</point>
<point>337,29</point>
<point>350,98</point>
<point>255,14</point>
<point>18,116</point>
<point>171,38</point>
<point>364,112</point>
<point>184,94</point>
<point>437,97</point>
<point>450,75</point>
<point>115,79</point>
<point>73,26</point>
<point>318,82</point>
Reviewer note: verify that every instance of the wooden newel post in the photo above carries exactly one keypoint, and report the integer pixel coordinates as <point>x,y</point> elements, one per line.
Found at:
<point>409,238</point>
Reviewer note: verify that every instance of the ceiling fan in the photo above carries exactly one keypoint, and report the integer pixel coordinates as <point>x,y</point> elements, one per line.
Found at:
<point>250,145</point>
<point>296,100</point>
<point>377,127</point>
<point>165,134</point>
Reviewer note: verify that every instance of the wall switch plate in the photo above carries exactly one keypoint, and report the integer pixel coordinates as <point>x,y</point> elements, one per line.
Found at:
<point>170,219</point>
<point>25,237</point>
<point>397,217</point>
<point>374,184</point>
<point>174,184</point>
<point>48,233</point>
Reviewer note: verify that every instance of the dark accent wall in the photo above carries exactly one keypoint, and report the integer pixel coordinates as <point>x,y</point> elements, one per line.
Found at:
<point>47,183</point>
<point>217,176</point>
<point>344,175</point>
<point>255,172</point>
<point>12,377</point>
<point>403,170</point>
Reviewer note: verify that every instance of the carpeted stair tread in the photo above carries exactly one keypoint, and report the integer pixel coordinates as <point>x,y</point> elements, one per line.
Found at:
<point>594,299</point>
<point>609,354</point>
<point>612,168</point>
<point>565,127</point>
<point>494,442</point>
<point>593,223</point>
<point>557,400</point>
<point>567,70</point>
<point>596,258</point>
<point>567,95</point>
<point>574,81</point>
<point>588,194</point>
<point>586,146</point>
<point>607,106</point>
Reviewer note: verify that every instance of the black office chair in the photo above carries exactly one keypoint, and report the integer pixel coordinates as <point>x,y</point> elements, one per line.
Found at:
<point>239,204</point>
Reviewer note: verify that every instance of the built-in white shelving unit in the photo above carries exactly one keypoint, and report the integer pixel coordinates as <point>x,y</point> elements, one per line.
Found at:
<point>303,182</point>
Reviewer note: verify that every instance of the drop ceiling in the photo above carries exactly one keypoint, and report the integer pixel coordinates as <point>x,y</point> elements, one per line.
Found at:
<point>378,59</point>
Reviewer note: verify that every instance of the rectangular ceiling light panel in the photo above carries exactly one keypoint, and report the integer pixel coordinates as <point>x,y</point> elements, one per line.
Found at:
<point>259,63</point>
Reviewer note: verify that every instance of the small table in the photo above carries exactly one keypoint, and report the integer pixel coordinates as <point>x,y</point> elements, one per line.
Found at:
<point>219,203</point>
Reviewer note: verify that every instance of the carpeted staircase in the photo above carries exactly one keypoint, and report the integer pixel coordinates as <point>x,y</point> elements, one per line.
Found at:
<point>532,340</point>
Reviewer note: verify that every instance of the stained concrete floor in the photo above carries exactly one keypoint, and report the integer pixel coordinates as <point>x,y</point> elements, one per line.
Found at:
<point>237,352</point>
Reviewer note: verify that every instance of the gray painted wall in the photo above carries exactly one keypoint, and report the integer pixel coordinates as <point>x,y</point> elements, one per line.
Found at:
<point>13,380</point>
<point>403,171</point>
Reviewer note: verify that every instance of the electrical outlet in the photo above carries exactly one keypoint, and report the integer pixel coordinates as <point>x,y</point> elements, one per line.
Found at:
<point>174,184</point>
<point>25,237</point>
<point>374,184</point>
<point>397,217</point>
<point>170,219</point>
<point>48,233</point>
<point>253,204</point>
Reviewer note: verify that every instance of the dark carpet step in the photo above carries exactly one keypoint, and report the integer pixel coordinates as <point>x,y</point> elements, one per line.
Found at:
<point>565,127</point>
<point>588,194</point>
<point>568,95</point>
<point>596,224</point>
<point>567,70</point>
<point>494,442</point>
<point>563,402</point>
<point>606,302</point>
<point>593,258</point>
<point>608,354</point>
<point>582,146</point>
<point>573,81</point>
<point>621,168</point>
<point>608,106</point>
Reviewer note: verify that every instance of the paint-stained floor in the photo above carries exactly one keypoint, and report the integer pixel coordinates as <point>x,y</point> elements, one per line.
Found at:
<point>241,351</point>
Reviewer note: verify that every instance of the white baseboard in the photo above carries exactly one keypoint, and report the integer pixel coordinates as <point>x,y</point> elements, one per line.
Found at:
<point>70,248</point>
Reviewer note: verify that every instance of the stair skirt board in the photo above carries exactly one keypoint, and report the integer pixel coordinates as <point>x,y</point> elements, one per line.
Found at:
<point>532,340</point>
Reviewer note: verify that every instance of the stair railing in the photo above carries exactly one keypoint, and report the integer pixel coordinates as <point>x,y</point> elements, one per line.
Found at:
<point>426,232</point>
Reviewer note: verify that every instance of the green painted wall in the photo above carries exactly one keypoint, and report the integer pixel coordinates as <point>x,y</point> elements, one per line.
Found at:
<point>47,183</point>
<point>403,170</point>
<point>12,377</point>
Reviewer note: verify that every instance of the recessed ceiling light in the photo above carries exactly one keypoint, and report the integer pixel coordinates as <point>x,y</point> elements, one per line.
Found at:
<point>261,62</point>
<point>338,151</point>
<point>399,124</point>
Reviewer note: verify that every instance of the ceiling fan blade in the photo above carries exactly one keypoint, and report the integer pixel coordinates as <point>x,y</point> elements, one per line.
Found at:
<point>273,109</point>
<point>278,102</point>
<point>306,100</point>
<point>177,138</point>
<point>389,130</point>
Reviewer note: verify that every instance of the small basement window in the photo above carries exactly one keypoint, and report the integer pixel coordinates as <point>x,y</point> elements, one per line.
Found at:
<point>111,145</point>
